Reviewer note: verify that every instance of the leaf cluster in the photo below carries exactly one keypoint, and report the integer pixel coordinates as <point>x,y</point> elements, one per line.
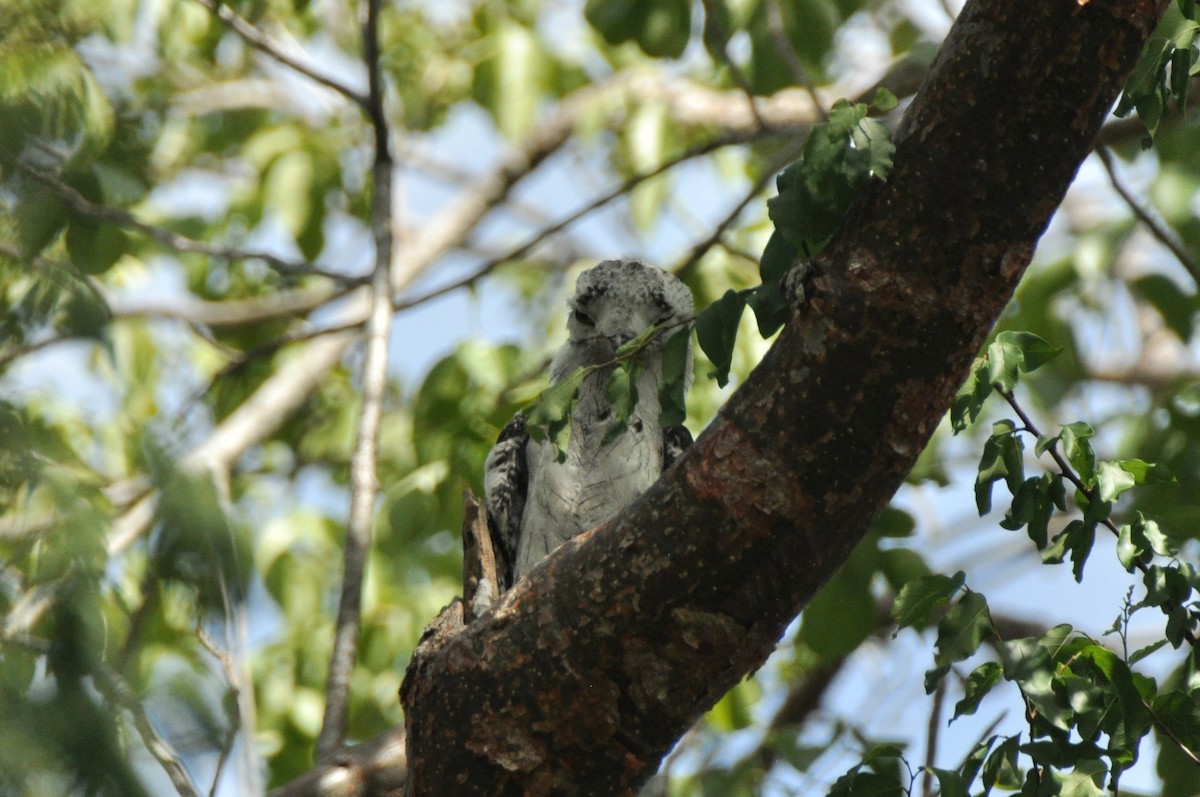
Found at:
<point>814,196</point>
<point>1084,703</point>
<point>1165,70</point>
<point>549,417</point>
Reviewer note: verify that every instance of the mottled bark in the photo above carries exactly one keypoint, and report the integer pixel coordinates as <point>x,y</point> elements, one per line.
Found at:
<point>589,670</point>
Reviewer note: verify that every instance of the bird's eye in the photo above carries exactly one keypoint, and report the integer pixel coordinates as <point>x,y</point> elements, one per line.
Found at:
<point>584,318</point>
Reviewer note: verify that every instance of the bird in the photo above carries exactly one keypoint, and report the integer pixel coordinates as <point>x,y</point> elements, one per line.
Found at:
<point>536,499</point>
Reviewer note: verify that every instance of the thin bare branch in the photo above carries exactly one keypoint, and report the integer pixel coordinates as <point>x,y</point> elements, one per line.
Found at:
<point>364,482</point>
<point>1069,473</point>
<point>263,43</point>
<point>180,243</point>
<point>716,29</point>
<point>17,352</point>
<point>226,313</point>
<point>783,46</point>
<point>786,156</point>
<point>375,767</point>
<point>620,190</point>
<point>290,385</point>
<point>1156,229</point>
<point>121,694</point>
<point>931,738</point>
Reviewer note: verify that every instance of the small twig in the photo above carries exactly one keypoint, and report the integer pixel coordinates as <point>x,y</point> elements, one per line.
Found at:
<point>232,679</point>
<point>788,154</point>
<point>121,694</point>
<point>261,42</point>
<point>783,45</point>
<point>227,312</point>
<point>1170,734</point>
<point>364,485</point>
<point>714,24</point>
<point>1156,229</point>
<point>1070,475</point>
<point>181,243</point>
<point>17,353</point>
<point>931,738</point>
<point>541,235</point>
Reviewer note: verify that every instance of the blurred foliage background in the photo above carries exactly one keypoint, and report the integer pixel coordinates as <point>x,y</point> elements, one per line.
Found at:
<point>184,237</point>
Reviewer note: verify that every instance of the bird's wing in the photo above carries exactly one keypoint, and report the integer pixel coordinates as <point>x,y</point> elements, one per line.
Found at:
<point>505,483</point>
<point>675,440</point>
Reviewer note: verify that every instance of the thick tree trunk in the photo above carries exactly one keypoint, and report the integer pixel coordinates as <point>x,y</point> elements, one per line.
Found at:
<point>593,666</point>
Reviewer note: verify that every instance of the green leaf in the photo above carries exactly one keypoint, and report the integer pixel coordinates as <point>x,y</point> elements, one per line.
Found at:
<point>1085,780</point>
<point>1176,307</point>
<point>900,566</point>
<point>672,392</point>
<point>1112,480</point>
<point>1179,714</point>
<point>816,192</point>
<point>1146,84</point>
<point>1029,662</point>
<point>1012,353</point>
<point>1080,538</point>
<point>856,783</point>
<point>95,247</point>
<point>919,598</point>
<point>1154,536</point>
<point>968,402</point>
<point>1129,549</point>
<point>975,759</point>
<point>893,522</point>
<point>1000,768</point>
<point>56,114</point>
<point>549,417</point>
<point>1001,459</point>
<point>665,28</point>
<point>1078,451</point>
<point>950,783</point>
<point>979,683</point>
<point>1135,539</point>
<point>660,27</point>
<point>38,213</point>
<point>1047,497</point>
<point>510,82</point>
<point>1147,472</point>
<point>884,100</point>
<point>1131,721</point>
<point>85,314</point>
<point>771,307</point>
<point>622,393</point>
<point>842,614</point>
<point>874,138</point>
<point>1146,652</point>
<point>631,347</point>
<point>963,629</point>
<point>1166,587</point>
<point>716,332</point>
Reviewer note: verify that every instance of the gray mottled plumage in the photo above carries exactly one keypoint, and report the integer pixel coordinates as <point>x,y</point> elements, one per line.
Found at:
<point>534,502</point>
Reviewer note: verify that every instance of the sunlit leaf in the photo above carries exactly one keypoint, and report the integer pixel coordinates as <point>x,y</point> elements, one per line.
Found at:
<point>918,599</point>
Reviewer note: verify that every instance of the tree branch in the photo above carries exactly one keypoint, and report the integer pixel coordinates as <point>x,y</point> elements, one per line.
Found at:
<point>782,159</point>
<point>261,42</point>
<point>364,481</point>
<point>1152,224</point>
<point>224,313</point>
<point>180,243</point>
<point>593,665</point>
